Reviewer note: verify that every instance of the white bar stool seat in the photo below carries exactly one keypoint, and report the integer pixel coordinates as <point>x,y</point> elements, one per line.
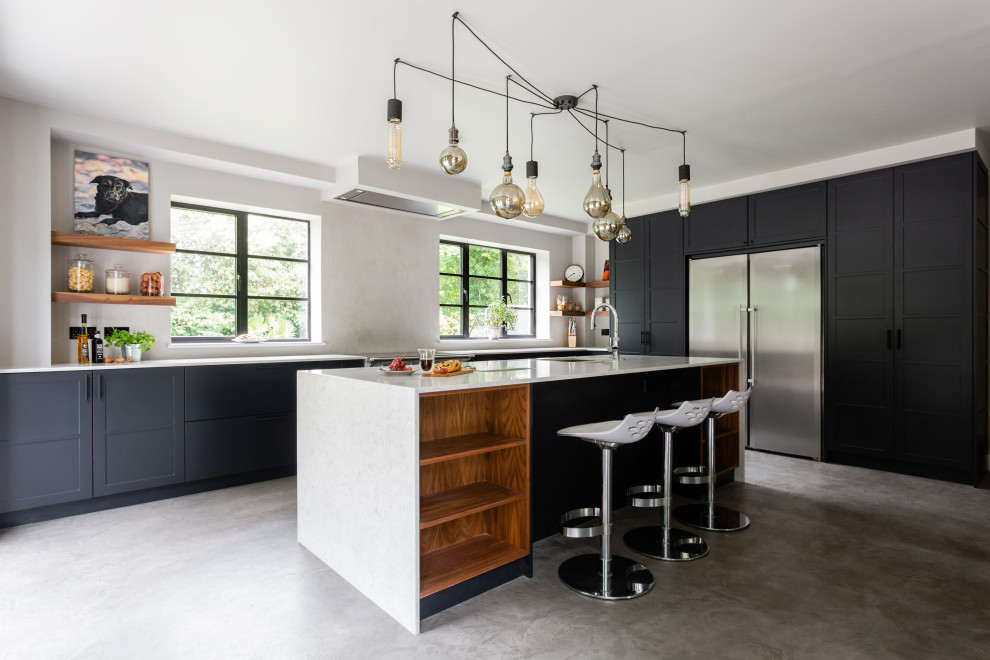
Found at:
<point>706,515</point>
<point>666,542</point>
<point>603,575</point>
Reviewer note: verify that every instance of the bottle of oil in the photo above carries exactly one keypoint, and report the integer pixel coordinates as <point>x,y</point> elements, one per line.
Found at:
<point>83,338</point>
<point>97,348</point>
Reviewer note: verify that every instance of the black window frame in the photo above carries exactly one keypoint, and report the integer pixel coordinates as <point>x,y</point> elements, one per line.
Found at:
<point>466,275</point>
<point>241,257</point>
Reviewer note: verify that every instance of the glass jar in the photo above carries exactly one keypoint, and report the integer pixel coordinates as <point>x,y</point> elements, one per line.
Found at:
<point>118,280</point>
<point>81,274</point>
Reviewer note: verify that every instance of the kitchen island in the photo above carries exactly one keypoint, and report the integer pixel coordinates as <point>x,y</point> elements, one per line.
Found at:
<point>423,492</point>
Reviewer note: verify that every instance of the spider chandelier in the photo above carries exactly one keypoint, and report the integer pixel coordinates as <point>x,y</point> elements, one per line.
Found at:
<point>508,200</point>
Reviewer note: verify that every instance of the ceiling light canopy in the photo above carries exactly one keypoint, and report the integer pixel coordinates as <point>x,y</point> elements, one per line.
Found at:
<point>507,199</point>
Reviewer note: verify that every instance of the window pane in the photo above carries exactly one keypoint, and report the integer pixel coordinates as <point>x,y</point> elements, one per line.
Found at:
<point>518,266</point>
<point>519,293</point>
<point>203,273</point>
<point>484,261</point>
<point>277,237</point>
<point>203,317</point>
<point>278,319</point>
<point>484,292</point>
<point>523,323</point>
<point>450,290</point>
<point>450,258</point>
<point>450,321</point>
<point>203,230</point>
<point>477,327</point>
<point>268,277</point>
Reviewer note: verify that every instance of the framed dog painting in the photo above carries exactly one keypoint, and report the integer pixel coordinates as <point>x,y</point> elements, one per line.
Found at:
<point>111,196</point>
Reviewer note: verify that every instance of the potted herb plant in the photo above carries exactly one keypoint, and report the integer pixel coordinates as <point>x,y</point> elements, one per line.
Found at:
<point>131,344</point>
<point>499,315</point>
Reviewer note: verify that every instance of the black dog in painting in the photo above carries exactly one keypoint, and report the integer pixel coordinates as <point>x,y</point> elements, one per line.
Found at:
<point>115,197</point>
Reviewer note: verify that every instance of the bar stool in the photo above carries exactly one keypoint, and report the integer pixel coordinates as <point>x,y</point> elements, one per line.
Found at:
<point>604,575</point>
<point>666,542</point>
<point>706,515</point>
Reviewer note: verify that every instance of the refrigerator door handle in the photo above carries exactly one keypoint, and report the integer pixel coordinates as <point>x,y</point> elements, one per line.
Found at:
<point>752,354</point>
<point>743,354</point>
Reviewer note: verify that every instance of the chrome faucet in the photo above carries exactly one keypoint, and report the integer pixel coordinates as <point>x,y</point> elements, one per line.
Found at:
<point>614,335</point>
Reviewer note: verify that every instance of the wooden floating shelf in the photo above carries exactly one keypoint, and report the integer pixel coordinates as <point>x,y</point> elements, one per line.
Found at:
<point>463,501</point>
<point>579,285</point>
<point>558,313</point>
<point>447,449</point>
<point>455,563</point>
<point>111,299</point>
<point>110,243</point>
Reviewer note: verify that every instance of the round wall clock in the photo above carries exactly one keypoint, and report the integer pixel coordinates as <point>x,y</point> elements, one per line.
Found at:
<point>573,273</point>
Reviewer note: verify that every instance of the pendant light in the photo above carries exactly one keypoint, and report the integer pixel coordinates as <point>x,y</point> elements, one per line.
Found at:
<point>534,204</point>
<point>394,157</point>
<point>597,203</point>
<point>607,227</point>
<point>625,233</point>
<point>507,198</point>
<point>453,160</point>
<point>684,174</point>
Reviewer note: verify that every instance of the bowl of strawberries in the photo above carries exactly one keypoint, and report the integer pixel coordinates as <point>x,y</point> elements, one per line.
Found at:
<point>396,367</point>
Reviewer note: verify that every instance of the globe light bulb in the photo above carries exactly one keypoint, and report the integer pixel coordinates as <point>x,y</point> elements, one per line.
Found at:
<point>507,199</point>
<point>394,154</point>
<point>684,202</point>
<point>597,203</point>
<point>625,233</point>
<point>606,228</point>
<point>453,160</point>
<point>533,206</point>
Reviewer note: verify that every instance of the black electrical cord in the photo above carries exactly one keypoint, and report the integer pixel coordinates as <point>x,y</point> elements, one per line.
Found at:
<point>507,115</point>
<point>590,132</point>
<point>527,89</point>
<point>532,116</point>
<point>394,67</point>
<point>478,87</point>
<point>623,152</point>
<point>452,76</point>
<point>602,117</point>
<point>606,155</point>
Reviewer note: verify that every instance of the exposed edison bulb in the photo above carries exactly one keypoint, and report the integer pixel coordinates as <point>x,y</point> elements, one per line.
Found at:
<point>453,160</point>
<point>533,206</point>
<point>394,154</point>
<point>597,203</point>
<point>607,227</point>
<point>507,199</point>
<point>625,233</point>
<point>684,201</point>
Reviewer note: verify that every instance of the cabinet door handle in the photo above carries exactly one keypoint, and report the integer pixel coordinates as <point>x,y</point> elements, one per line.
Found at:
<point>99,386</point>
<point>647,337</point>
<point>89,385</point>
<point>889,339</point>
<point>898,339</point>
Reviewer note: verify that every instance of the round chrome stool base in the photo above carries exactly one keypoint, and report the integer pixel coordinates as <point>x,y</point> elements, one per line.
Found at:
<point>682,545</point>
<point>583,574</point>
<point>712,518</point>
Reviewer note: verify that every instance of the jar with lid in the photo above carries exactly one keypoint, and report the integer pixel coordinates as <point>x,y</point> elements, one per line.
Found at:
<point>81,274</point>
<point>118,280</point>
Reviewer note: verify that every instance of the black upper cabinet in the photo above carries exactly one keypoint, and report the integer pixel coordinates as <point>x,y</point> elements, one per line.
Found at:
<point>790,214</point>
<point>716,226</point>
<point>627,287</point>
<point>46,439</point>
<point>137,429</point>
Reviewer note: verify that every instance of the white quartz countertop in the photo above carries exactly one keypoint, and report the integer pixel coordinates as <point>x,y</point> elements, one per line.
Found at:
<point>189,362</point>
<point>496,373</point>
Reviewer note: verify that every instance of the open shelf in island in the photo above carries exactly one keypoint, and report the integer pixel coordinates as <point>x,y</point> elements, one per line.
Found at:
<point>474,483</point>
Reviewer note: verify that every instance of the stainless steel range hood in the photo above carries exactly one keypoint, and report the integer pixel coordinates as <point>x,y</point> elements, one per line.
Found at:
<point>368,180</point>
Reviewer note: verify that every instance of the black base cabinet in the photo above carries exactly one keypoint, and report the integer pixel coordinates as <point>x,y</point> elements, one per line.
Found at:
<point>46,439</point>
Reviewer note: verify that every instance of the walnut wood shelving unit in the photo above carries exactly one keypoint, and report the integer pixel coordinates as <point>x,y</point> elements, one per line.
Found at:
<point>715,382</point>
<point>579,285</point>
<point>109,243</point>
<point>474,483</point>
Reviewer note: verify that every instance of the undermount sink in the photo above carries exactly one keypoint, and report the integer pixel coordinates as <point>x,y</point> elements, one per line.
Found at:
<point>580,358</point>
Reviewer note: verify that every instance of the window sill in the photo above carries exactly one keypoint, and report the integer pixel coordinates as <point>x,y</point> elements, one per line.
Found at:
<point>486,340</point>
<point>241,345</point>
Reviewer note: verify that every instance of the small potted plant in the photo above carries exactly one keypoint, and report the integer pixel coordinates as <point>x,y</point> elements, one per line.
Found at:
<point>131,345</point>
<point>499,315</point>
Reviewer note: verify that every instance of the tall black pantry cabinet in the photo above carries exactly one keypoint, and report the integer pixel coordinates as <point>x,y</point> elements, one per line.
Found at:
<point>647,286</point>
<point>907,324</point>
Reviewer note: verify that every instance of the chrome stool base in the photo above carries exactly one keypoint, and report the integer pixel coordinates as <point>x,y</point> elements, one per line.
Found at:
<point>681,544</point>
<point>583,574</point>
<point>711,518</point>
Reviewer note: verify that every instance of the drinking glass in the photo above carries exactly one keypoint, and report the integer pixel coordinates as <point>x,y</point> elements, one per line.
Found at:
<point>426,356</point>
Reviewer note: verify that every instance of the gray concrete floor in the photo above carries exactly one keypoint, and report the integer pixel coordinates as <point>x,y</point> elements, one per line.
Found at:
<point>838,563</point>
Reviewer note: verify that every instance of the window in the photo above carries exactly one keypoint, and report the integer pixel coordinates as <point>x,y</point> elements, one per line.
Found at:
<point>236,272</point>
<point>472,277</point>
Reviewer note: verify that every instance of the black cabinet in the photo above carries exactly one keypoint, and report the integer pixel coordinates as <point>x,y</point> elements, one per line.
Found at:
<point>137,429</point>
<point>907,323</point>
<point>789,214</point>
<point>46,439</point>
<point>716,226</point>
<point>220,447</point>
<point>647,286</point>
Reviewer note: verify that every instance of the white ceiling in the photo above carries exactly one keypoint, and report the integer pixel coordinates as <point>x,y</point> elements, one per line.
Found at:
<point>759,85</point>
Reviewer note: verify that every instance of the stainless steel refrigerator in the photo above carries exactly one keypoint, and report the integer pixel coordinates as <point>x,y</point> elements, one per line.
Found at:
<point>766,308</point>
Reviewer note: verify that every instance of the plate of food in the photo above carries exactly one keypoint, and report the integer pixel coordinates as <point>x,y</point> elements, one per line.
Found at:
<point>248,339</point>
<point>397,368</point>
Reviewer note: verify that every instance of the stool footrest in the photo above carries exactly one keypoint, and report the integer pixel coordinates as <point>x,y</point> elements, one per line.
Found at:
<point>591,526</point>
<point>647,497</point>
<point>692,475</point>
